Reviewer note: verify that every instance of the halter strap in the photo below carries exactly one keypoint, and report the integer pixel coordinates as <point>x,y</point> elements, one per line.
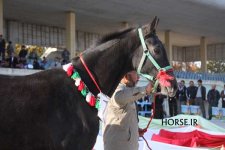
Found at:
<point>147,54</point>
<point>89,72</point>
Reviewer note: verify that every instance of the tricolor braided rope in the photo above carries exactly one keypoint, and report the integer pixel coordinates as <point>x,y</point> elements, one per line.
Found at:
<point>90,98</point>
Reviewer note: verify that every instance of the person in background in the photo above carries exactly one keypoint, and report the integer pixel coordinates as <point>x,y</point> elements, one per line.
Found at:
<point>200,97</point>
<point>33,55</point>
<point>213,97</point>
<point>44,63</point>
<point>13,61</point>
<point>65,56</point>
<point>22,54</point>
<point>172,106</point>
<point>223,97</point>
<point>2,47</point>
<point>181,95</point>
<point>10,49</point>
<point>36,64</point>
<point>191,93</point>
<point>120,127</point>
<point>159,113</point>
<point>56,63</point>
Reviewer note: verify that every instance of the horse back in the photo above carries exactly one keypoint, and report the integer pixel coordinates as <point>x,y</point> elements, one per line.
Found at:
<point>39,111</point>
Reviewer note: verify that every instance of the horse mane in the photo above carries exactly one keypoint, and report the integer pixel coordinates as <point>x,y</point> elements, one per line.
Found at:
<point>114,35</point>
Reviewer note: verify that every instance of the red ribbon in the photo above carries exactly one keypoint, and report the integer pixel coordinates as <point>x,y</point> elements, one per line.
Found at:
<point>70,71</point>
<point>92,101</point>
<point>81,86</point>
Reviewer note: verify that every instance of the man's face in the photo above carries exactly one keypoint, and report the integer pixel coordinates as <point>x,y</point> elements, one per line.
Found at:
<point>132,78</point>
<point>213,87</point>
<point>182,83</point>
<point>199,83</point>
<point>191,83</point>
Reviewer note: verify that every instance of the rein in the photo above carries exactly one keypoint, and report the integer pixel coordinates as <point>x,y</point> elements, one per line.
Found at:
<point>149,122</point>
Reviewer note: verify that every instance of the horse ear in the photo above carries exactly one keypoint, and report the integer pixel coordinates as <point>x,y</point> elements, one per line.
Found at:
<point>154,24</point>
<point>147,28</point>
<point>157,22</point>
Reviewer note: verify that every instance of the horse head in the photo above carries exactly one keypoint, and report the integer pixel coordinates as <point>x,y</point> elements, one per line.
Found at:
<point>150,60</point>
<point>120,52</point>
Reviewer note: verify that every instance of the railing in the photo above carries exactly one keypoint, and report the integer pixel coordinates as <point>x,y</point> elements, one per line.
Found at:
<point>17,72</point>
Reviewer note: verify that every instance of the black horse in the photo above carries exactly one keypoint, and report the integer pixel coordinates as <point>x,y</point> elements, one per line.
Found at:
<point>44,111</point>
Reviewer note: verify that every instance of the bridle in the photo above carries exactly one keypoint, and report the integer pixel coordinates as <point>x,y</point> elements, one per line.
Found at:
<point>162,73</point>
<point>147,54</point>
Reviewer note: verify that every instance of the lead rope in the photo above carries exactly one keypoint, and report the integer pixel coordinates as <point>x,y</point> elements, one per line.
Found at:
<point>146,128</point>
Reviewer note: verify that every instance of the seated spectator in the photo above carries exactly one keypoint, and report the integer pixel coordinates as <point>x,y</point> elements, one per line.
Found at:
<point>33,55</point>
<point>146,98</point>
<point>66,56</point>
<point>44,63</point>
<point>23,54</point>
<point>13,61</point>
<point>10,49</point>
<point>56,63</point>
<point>36,64</point>
<point>64,62</point>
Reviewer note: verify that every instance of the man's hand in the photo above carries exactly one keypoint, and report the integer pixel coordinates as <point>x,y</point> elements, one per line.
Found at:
<point>188,102</point>
<point>149,88</point>
<point>141,132</point>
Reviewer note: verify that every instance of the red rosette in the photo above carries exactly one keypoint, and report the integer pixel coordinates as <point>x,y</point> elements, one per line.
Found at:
<point>163,78</point>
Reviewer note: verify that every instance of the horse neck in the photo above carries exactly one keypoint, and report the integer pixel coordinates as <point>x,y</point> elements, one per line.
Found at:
<point>108,66</point>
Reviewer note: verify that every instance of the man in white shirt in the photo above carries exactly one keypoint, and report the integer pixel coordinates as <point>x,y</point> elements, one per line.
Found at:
<point>200,97</point>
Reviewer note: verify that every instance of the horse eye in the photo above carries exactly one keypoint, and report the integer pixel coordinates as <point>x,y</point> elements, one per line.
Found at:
<point>156,50</point>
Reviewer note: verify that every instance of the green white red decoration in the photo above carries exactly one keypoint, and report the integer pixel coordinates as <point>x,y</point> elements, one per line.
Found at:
<point>90,98</point>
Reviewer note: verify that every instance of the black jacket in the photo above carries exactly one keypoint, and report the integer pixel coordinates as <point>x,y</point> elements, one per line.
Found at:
<point>213,97</point>
<point>191,92</point>
<point>181,94</point>
<point>203,92</point>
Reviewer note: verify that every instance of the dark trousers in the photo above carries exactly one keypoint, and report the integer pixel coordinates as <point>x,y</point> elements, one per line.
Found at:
<point>179,103</point>
<point>159,113</point>
<point>2,53</point>
<point>210,109</point>
<point>223,103</point>
<point>199,101</point>
<point>172,106</point>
